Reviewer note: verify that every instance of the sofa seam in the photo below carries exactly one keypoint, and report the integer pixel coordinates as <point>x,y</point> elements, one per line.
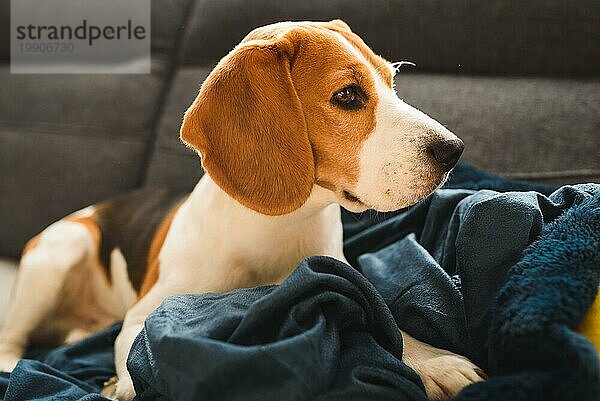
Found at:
<point>164,95</point>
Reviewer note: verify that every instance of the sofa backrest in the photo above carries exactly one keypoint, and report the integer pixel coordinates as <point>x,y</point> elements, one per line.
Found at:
<point>541,37</point>
<point>67,141</point>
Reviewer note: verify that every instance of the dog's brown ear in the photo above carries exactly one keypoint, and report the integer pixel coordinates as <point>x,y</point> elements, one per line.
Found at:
<point>248,126</point>
<point>340,24</point>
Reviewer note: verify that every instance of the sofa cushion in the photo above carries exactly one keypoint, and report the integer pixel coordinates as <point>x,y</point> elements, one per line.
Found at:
<point>4,30</point>
<point>171,163</point>
<point>53,174</point>
<point>494,37</point>
<point>75,104</point>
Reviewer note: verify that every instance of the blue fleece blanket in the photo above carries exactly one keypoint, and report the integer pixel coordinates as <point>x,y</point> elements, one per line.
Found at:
<point>501,277</point>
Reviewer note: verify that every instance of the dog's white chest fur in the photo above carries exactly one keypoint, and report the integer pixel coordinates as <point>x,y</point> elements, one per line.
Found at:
<point>216,244</point>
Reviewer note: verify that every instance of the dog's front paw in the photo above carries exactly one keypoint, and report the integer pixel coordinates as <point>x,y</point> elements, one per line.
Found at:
<point>118,390</point>
<point>443,373</point>
<point>444,376</point>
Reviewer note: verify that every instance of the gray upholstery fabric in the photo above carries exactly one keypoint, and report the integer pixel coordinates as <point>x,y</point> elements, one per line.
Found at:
<point>493,37</point>
<point>46,175</point>
<point>167,21</point>
<point>172,163</point>
<point>70,140</point>
<point>174,168</point>
<point>4,30</point>
<point>110,105</point>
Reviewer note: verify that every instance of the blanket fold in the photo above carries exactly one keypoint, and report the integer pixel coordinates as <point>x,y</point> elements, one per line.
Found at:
<point>325,333</point>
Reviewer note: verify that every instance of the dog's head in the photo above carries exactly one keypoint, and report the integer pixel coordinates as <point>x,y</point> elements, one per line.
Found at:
<point>302,103</point>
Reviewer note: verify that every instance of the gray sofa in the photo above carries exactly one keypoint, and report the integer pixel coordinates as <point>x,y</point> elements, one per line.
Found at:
<point>519,81</point>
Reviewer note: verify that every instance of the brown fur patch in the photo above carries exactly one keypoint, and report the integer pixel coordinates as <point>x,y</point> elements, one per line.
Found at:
<point>89,223</point>
<point>152,270</point>
<point>263,121</point>
<point>31,245</point>
<point>92,226</point>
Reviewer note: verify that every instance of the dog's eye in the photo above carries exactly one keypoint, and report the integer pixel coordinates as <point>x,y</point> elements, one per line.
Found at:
<point>346,95</point>
<point>348,98</point>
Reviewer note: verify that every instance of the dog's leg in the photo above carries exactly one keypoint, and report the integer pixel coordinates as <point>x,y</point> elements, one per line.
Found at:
<point>444,374</point>
<point>36,293</point>
<point>122,388</point>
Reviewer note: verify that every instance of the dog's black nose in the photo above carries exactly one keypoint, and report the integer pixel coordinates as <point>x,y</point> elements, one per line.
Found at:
<point>447,152</point>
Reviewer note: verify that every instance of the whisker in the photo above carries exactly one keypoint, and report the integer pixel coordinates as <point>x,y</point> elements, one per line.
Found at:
<point>398,64</point>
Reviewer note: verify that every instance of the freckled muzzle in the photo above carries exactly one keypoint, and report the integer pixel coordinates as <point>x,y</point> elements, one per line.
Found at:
<point>397,173</point>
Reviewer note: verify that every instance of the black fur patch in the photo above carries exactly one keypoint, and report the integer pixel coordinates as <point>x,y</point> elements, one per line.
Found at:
<point>129,222</point>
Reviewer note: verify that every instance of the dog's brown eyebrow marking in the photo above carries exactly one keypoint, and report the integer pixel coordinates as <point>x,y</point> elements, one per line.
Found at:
<point>349,71</point>
<point>357,74</point>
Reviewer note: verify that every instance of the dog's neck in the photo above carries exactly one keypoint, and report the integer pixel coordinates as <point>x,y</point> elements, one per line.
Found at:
<point>232,235</point>
<point>208,196</point>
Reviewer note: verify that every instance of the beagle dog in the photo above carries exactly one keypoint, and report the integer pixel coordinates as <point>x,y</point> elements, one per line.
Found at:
<point>298,119</point>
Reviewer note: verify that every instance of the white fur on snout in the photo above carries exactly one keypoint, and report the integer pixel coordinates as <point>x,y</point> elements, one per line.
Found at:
<point>395,168</point>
